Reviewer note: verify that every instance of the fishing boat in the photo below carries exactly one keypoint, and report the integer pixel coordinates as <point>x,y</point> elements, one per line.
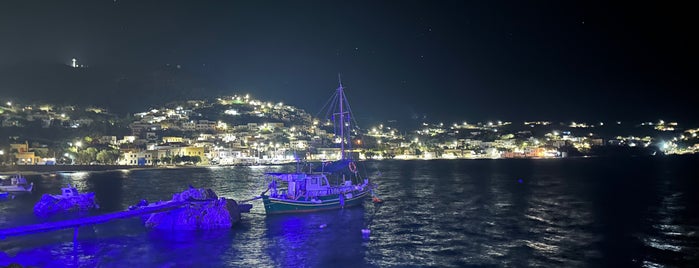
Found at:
<point>16,183</point>
<point>69,200</point>
<point>331,185</point>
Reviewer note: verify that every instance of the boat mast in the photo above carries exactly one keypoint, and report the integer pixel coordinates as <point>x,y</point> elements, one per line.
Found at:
<point>340,93</point>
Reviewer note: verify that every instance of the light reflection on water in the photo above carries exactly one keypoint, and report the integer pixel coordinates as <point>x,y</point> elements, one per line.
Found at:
<point>668,236</point>
<point>567,213</point>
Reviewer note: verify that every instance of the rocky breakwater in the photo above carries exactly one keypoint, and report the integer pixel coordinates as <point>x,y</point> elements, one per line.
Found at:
<point>68,201</point>
<point>202,209</point>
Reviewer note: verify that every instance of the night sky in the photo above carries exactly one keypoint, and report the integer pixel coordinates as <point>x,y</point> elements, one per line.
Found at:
<point>433,60</point>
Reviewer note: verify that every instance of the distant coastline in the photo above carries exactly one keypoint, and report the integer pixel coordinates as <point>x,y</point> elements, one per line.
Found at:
<point>44,169</point>
<point>47,169</point>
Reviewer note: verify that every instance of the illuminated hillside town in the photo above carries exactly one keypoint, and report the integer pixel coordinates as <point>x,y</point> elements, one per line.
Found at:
<point>241,130</point>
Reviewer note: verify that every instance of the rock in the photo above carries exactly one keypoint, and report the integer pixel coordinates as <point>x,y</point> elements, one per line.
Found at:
<point>51,204</point>
<point>205,211</point>
<point>195,194</point>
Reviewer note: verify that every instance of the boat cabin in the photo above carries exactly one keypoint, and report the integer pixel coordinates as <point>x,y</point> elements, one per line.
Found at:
<point>299,184</point>
<point>69,191</point>
<point>18,180</point>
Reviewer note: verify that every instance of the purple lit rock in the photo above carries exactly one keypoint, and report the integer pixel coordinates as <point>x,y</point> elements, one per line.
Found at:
<point>69,200</point>
<point>203,211</point>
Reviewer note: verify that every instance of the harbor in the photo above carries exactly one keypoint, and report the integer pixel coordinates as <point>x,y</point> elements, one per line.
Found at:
<point>445,213</point>
<point>117,191</point>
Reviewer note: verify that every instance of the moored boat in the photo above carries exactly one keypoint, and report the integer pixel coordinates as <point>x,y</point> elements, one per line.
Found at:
<point>311,191</point>
<point>16,183</point>
<point>69,200</point>
<point>336,185</point>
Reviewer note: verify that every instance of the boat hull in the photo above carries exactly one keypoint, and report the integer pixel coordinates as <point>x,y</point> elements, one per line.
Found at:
<point>16,189</point>
<point>16,184</point>
<point>283,206</point>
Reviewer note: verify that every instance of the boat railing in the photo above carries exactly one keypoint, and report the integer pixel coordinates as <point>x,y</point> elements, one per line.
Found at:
<point>310,194</point>
<point>331,191</point>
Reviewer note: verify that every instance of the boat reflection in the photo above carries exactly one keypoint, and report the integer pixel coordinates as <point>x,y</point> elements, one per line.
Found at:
<point>319,239</point>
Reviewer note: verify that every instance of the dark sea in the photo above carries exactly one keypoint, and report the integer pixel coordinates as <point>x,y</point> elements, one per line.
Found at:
<point>584,212</point>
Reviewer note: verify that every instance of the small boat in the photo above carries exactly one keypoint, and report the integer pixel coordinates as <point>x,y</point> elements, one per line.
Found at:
<point>16,183</point>
<point>336,185</point>
<point>69,200</point>
<point>4,195</point>
<point>311,191</point>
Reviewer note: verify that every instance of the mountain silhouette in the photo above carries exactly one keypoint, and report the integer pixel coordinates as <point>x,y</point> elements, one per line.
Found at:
<point>121,89</point>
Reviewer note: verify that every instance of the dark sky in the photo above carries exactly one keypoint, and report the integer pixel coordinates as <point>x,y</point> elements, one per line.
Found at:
<point>447,60</point>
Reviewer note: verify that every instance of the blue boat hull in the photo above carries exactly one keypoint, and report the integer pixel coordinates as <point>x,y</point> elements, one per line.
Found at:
<point>282,206</point>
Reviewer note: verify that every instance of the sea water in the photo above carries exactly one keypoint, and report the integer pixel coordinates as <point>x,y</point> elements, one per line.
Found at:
<point>441,213</point>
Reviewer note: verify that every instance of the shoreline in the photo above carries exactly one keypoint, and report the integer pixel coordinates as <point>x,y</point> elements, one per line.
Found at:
<point>49,169</point>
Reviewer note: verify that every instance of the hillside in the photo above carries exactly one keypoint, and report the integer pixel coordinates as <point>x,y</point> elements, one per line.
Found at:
<point>120,89</point>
